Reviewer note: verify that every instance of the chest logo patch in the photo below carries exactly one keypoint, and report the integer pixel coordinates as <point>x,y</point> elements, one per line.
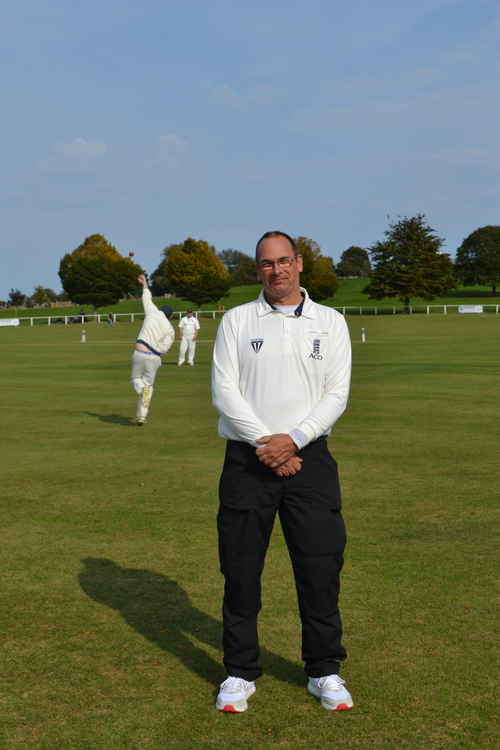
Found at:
<point>316,353</point>
<point>257,345</point>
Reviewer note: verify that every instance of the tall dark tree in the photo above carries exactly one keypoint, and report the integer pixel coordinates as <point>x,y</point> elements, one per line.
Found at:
<point>16,297</point>
<point>195,272</point>
<point>96,274</point>
<point>43,295</point>
<point>318,275</point>
<point>354,262</point>
<point>159,282</point>
<point>246,273</point>
<point>231,258</point>
<point>241,267</point>
<point>408,263</point>
<point>478,258</point>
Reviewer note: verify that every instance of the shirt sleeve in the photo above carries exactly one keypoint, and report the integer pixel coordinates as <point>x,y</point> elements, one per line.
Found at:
<point>147,301</point>
<point>226,395</point>
<point>168,338</point>
<point>299,438</point>
<point>336,389</point>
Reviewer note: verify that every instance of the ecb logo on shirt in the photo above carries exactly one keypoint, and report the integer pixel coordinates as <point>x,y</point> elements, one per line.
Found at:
<point>315,354</point>
<point>257,345</point>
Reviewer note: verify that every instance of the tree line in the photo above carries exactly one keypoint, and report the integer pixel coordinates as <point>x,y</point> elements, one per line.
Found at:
<point>407,262</point>
<point>41,297</point>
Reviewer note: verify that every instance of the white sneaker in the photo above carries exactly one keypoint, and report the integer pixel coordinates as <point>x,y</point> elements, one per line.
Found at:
<point>233,694</point>
<point>330,689</point>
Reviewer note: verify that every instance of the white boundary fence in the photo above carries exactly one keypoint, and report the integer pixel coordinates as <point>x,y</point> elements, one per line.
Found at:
<point>345,310</point>
<point>103,317</point>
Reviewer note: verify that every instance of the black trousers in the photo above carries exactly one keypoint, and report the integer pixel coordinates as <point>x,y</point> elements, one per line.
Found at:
<point>308,505</point>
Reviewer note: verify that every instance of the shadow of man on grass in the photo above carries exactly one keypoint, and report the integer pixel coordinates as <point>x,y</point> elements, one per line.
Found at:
<point>113,419</point>
<point>160,610</point>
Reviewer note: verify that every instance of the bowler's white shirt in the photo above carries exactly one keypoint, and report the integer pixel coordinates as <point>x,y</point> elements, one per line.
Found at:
<point>156,330</point>
<point>274,372</point>
<point>189,326</point>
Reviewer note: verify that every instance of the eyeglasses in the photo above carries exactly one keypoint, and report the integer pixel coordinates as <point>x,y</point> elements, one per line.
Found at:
<point>285,262</point>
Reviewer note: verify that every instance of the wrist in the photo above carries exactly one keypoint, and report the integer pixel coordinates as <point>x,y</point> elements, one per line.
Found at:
<point>298,438</point>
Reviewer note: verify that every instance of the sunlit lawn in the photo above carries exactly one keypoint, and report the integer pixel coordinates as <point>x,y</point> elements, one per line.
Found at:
<point>110,611</point>
<point>349,294</point>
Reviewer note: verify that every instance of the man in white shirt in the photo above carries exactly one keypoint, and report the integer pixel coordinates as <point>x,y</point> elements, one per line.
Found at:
<point>155,338</point>
<point>280,380</point>
<point>188,331</point>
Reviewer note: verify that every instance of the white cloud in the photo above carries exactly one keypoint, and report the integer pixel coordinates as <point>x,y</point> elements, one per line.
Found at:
<point>301,169</point>
<point>81,148</point>
<point>253,98</point>
<point>227,96</point>
<point>472,105</point>
<point>172,145</point>
<point>172,153</point>
<point>468,157</point>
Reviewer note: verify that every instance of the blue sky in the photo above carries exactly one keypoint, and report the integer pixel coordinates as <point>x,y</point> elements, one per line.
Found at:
<point>220,120</point>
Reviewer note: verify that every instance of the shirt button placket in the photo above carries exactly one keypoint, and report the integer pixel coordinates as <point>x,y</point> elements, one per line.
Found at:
<point>287,338</point>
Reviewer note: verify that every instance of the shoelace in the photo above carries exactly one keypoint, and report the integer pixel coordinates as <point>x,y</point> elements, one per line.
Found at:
<point>335,682</point>
<point>233,684</point>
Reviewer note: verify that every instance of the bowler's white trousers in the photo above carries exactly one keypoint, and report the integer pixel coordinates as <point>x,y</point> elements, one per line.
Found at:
<point>144,369</point>
<point>188,344</point>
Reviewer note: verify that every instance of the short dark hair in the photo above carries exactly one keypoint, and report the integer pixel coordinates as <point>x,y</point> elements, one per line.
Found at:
<point>276,233</point>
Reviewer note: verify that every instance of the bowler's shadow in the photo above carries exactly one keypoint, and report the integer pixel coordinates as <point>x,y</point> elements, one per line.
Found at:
<point>113,419</point>
<point>161,611</point>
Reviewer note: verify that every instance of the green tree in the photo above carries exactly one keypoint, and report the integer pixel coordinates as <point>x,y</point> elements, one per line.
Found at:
<point>160,285</point>
<point>478,258</point>
<point>231,258</point>
<point>241,267</point>
<point>354,262</point>
<point>96,274</point>
<point>318,274</point>
<point>39,297</point>
<point>195,272</point>
<point>16,298</point>
<point>43,295</point>
<point>408,263</point>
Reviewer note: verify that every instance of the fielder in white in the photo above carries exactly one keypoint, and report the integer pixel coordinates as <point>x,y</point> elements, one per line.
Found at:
<point>189,327</point>
<point>155,338</point>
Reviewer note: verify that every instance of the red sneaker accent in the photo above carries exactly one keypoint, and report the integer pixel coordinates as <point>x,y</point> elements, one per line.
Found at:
<point>342,707</point>
<point>230,709</point>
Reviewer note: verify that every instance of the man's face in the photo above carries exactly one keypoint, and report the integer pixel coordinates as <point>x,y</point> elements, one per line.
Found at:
<point>190,314</point>
<point>278,269</point>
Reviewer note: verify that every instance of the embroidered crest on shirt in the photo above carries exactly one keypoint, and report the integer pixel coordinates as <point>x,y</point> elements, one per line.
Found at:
<point>257,345</point>
<point>316,354</point>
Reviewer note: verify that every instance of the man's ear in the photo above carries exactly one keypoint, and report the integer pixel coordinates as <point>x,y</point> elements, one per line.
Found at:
<point>300,265</point>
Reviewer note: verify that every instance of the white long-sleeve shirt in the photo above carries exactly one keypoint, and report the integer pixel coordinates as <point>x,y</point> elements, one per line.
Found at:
<point>156,331</point>
<point>276,373</point>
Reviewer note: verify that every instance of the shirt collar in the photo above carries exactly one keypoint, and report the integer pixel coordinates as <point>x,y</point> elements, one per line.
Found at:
<point>306,308</point>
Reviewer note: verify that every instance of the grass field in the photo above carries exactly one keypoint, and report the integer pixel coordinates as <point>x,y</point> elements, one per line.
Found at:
<point>110,613</point>
<point>349,294</point>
